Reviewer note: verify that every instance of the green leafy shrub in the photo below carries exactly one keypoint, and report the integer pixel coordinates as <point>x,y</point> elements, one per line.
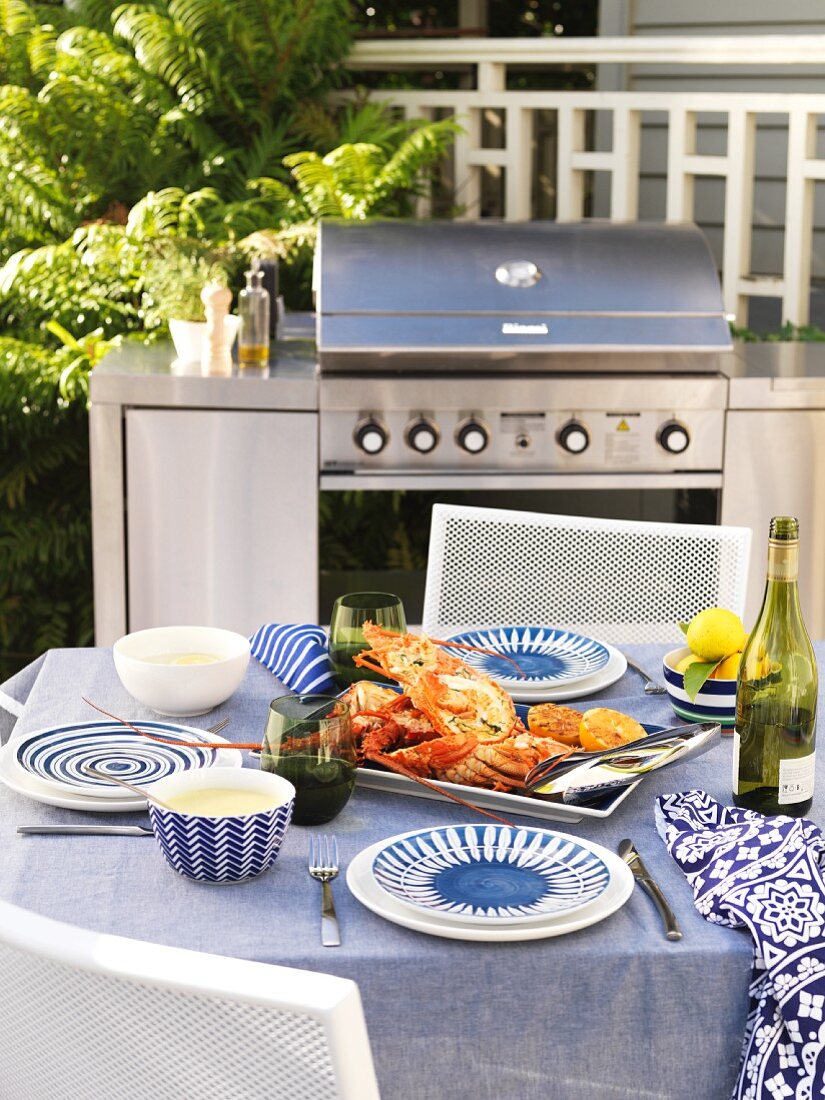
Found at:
<point>102,102</point>
<point>141,143</point>
<point>787,332</point>
<point>45,566</point>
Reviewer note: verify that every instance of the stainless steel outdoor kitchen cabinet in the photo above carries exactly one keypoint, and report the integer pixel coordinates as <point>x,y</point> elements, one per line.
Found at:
<point>204,493</point>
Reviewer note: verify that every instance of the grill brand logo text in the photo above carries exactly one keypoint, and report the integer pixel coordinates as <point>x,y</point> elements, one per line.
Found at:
<point>514,328</point>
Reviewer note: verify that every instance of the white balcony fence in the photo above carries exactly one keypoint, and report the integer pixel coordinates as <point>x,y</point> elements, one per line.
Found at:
<point>503,135</point>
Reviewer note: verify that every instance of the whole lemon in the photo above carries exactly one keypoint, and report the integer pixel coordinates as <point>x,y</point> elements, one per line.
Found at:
<point>727,668</point>
<point>691,659</point>
<point>715,633</point>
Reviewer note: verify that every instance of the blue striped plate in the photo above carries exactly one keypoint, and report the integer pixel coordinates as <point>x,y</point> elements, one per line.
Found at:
<point>545,656</point>
<point>490,874</point>
<point>58,755</point>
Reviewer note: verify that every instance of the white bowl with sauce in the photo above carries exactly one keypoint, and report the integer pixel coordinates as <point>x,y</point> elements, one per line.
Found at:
<point>181,670</point>
<point>222,824</point>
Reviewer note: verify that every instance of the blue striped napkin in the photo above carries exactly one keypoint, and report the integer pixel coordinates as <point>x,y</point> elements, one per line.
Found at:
<point>297,654</point>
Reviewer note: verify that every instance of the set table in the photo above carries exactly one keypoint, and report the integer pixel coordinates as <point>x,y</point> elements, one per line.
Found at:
<point>613,1010</point>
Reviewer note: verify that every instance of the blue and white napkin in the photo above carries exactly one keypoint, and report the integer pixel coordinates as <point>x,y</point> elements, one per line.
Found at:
<point>766,874</point>
<point>297,654</point>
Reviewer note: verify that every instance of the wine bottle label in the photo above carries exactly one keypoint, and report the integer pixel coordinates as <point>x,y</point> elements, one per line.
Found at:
<point>783,561</point>
<point>796,780</point>
<point>737,741</point>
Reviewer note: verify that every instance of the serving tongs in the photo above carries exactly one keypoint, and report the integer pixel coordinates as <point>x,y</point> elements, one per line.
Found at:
<point>584,776</point>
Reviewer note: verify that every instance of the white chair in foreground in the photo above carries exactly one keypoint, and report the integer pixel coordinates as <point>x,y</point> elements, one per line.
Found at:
<point>616,580</point>
<point>96,1017</point>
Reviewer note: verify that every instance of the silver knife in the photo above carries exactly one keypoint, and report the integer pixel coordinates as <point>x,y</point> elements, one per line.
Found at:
<point>627,851</point>
<point>84,830</point>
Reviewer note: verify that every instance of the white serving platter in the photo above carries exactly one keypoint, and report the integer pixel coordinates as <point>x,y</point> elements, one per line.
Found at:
<point>499,801</point>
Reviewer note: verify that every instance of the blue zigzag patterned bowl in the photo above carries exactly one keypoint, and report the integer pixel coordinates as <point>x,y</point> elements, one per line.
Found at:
<point>490,874</point>
<point>222,849</point>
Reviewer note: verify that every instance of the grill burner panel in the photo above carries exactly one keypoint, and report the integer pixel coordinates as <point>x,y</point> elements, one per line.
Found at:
<point>559,424</point>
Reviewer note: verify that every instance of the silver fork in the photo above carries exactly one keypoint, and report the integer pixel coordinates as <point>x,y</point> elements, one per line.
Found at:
<point>651,686</point>
<point>323,865</point>
<point>224,722</point>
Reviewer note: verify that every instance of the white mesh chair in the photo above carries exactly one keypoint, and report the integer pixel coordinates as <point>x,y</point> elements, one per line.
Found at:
<point>616,580</point>
<point>97,1017</point>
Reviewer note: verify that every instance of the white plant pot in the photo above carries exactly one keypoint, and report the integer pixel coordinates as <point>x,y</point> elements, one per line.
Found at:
<point>189,336</point>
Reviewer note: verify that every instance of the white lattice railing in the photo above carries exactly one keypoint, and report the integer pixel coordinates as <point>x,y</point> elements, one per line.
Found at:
<point>488,61</point>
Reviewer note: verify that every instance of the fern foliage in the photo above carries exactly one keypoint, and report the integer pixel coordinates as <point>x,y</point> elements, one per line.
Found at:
<point>104,102</point>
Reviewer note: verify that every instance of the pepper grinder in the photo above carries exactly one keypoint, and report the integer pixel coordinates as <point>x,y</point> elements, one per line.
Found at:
<point>216,357</point>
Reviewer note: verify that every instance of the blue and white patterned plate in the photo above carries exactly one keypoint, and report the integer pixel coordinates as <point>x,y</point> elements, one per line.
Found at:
<point>490,873</point>
<point>545,656</point>
<point>58,755</point>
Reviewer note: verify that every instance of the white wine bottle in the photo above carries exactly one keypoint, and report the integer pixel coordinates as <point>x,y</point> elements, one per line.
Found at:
<point>775,731</point>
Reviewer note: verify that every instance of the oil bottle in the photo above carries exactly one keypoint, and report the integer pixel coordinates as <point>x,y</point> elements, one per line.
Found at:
<point>253,308</point>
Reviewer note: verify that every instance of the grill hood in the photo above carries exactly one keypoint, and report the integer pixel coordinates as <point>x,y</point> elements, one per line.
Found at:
<point>531,296</point>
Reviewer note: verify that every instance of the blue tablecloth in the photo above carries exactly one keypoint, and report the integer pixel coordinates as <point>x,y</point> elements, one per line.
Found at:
<point>614,1010</point>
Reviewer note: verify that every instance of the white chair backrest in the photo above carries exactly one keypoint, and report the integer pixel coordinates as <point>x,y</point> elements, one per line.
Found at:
<point>97,1017</point>
<point>616,580</point>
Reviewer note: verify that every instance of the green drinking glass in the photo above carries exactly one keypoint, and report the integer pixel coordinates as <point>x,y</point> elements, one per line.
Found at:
<point>346,634</point>
<point>309,741</point>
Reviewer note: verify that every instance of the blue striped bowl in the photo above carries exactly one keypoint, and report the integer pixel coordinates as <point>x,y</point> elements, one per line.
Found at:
<point>716,702</point>
<point>227,848</point>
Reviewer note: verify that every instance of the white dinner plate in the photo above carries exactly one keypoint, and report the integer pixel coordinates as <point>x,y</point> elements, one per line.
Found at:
<point>363,886</point>
<point>19,780</point>
<point>612,671</point>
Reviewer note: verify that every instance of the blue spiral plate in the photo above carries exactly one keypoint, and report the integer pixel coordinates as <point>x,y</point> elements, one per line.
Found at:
<point>62,753</point>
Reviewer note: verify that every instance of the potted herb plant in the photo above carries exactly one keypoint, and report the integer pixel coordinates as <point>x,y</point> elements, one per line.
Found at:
<point>174,277</point>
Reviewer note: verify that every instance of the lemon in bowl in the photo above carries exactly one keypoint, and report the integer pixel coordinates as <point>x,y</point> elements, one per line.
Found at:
<point>716,699</point>
<point>181,670</point>
<point>715,633</point>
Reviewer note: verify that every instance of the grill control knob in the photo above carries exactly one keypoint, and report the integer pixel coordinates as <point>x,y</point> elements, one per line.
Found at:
<point>573,437</point>
<point>472,436</point>
<point>673,437</point>
<point>371,436</point>
<point>422,435</point>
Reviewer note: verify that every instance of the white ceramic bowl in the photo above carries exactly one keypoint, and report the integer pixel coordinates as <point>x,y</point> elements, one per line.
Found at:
<point>226,848</point>
<point>181,690</point>
<point>716,702</point>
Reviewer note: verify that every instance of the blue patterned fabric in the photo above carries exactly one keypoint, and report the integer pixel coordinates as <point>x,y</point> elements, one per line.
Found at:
<point>764,874</point>
<point>297,654</point>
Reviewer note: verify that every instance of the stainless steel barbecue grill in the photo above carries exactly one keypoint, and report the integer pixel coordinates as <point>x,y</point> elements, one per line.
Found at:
<point>473,355</point>
<point>570,369</point>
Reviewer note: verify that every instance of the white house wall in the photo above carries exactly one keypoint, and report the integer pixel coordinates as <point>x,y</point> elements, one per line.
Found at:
<point>656,18</point>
